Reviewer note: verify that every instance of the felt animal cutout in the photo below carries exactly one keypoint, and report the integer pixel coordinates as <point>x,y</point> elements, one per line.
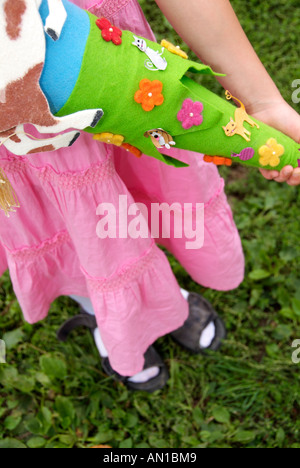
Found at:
<point>160,138</point>
<point>236,127</point>
<point>156,61</point>
<point>22,57</point>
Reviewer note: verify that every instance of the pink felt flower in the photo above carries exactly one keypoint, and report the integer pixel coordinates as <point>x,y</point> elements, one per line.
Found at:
<point>190,114</point>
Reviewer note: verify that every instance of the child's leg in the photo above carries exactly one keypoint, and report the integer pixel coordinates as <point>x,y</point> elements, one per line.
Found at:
<point>151,372</point>
<point>219,263</point>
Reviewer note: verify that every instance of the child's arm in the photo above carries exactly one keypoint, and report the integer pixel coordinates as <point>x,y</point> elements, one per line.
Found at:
<point>212,30</point>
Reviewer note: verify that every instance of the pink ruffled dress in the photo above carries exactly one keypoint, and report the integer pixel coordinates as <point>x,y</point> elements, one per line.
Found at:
<point>51,247</point>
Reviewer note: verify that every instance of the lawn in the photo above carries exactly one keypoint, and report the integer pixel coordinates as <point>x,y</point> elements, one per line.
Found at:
<point>247,395</point>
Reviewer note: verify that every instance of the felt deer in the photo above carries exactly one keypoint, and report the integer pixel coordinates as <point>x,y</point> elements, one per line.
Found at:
<point>22,57</point>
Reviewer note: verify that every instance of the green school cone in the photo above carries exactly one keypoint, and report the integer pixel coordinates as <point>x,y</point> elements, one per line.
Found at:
<point>150,103</point>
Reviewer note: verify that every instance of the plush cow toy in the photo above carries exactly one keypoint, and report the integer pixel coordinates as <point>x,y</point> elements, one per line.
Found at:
<point>81,68</point>
<point>22,59</point>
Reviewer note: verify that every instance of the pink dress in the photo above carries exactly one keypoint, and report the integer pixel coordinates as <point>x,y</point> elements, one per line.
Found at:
<point>51,248</point>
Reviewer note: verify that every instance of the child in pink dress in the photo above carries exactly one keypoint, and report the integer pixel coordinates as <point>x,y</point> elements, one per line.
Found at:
<point>51,248</point>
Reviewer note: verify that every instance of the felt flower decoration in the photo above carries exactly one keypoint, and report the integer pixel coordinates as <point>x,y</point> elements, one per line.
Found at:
<point>109,32</point>
<point>150,94</point>
<point>109,138</point>
<point>190,114</point>
<point>270,153</point>
<point>173,49</point>
<point>217,160</point>
<point>132,149</point>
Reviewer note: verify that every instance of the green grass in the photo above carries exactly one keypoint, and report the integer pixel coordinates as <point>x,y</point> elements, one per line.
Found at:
<point>247,395</point>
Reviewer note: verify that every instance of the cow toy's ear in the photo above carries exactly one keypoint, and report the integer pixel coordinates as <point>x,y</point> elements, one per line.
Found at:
<point>56,19</point>
<point>146,134</point>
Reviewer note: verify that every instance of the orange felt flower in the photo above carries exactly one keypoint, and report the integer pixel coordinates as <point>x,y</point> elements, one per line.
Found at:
<point>218,160</point>
<point>132,150</point>
<point>150,94</point>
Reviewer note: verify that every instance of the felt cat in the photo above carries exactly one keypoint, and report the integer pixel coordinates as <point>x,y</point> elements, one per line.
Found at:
<point>156,61</point>
<point>236,127</point>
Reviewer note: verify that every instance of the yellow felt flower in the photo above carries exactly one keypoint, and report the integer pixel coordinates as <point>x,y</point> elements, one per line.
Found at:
<point>270,153</point>
<point>173,49</point>
<point>109,138</point>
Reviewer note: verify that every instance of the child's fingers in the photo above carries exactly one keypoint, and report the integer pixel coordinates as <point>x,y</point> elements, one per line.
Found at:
<point>269,175</point>
<point>288,174</point>
<point>285,174</point>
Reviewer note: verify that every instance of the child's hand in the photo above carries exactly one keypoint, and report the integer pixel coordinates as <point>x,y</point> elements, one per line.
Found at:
<point>211,30</point>
<point>284,118</point>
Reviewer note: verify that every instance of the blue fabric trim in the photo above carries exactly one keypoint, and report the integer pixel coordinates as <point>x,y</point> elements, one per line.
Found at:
<point>64,57</point>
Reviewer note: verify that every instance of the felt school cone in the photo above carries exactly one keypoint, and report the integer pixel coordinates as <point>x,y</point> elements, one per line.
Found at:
<point>149,103</point>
